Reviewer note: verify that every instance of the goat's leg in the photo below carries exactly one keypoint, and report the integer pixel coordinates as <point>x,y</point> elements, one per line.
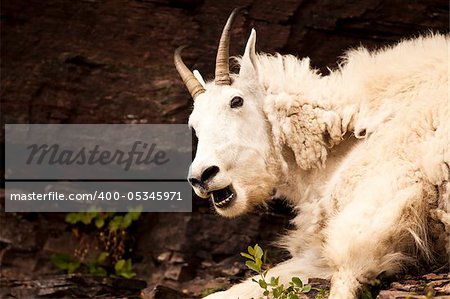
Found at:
<point>285,271</point>
<point>384,215</point>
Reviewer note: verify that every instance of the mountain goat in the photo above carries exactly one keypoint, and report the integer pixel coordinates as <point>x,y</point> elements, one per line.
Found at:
<point>362,154</point>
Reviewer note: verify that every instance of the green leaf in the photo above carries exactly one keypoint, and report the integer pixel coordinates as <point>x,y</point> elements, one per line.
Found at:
<point>306,288</point>
<point>252,266</point>
<point>65,262</point>
<point>276,292</point>
<point>265,256</point>
<point>126,221</point>
<point>258,263</point>
<point>102,257</point>
<point>134,215</point>
<point>119,265</point>
<point>88,216</point>
<point>115,223</point>
<point>96,270</point>
<point>266,293</point>
<point>73,218</point>
<point>72,267</point>
<point>262,283</point>
<point>258,252</point>
<point>128,264</point>
<point>251,250</point>
<point>297,281</point>
<point>99,222</point>
<point>124,269</point>
<point>274,281</point>
<point>247,256</point>
<point>293,296</point>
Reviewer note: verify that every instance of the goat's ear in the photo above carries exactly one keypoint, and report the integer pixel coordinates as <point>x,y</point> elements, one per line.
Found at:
<point>248,64</point>
<point>301,131</point>
<point>199,77</point>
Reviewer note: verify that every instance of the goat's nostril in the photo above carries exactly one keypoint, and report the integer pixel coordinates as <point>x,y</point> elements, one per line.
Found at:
<point>194,181</point>
<point>209,172</point>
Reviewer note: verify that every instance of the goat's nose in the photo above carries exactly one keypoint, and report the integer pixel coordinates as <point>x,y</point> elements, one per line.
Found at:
<point>207,174</point>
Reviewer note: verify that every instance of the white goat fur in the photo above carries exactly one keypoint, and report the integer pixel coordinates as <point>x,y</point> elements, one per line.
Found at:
<point>366,205</point>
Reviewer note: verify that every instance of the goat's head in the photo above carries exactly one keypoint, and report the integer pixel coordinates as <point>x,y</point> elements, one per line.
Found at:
<point>233,153</point>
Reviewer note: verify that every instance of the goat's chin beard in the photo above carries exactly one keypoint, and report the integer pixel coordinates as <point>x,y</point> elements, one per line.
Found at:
<point>247,197</point>
<point>252,188</point>
<point>238,207</point>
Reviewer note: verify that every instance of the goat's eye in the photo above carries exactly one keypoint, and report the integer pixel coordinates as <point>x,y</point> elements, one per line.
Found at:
<point>236,102</point>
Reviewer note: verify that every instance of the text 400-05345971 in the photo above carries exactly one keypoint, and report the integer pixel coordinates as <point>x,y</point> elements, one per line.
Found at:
<point>142,195</point>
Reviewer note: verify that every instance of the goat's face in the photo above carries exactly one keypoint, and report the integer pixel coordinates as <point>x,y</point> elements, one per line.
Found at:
<point>233,149</point>
<point>233,153</point>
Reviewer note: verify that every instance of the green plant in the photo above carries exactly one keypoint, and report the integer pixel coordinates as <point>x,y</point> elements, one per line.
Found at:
<point>322,293</point>
<point>124,268</point>
<point>112,232</point>
<point>65,262</point>
<point>71,264</point>
<point>272,288</point>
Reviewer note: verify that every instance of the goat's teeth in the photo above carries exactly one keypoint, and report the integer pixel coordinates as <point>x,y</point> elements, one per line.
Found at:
<point>223,202</point>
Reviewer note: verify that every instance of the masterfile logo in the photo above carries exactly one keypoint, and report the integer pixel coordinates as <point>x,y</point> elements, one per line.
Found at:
<point>141,153</point>
<point>57,151</point>
<point>72,168</point>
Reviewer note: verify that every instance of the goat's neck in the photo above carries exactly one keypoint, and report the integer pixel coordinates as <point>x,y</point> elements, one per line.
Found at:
<point>305,186</point>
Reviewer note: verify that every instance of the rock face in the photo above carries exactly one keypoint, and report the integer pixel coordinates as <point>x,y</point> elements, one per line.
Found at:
<point>72,286</point>
<point>96,61</point>
<point>426,286</point>
<point>111,61</point>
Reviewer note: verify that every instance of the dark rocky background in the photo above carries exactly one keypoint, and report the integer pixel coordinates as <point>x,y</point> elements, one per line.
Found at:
<point>98,61</point>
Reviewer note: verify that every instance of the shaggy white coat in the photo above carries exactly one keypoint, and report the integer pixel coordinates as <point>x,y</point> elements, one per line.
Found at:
<point>362,153</point>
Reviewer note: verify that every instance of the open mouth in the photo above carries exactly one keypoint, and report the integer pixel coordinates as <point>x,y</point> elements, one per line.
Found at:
<point>223,198</point>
